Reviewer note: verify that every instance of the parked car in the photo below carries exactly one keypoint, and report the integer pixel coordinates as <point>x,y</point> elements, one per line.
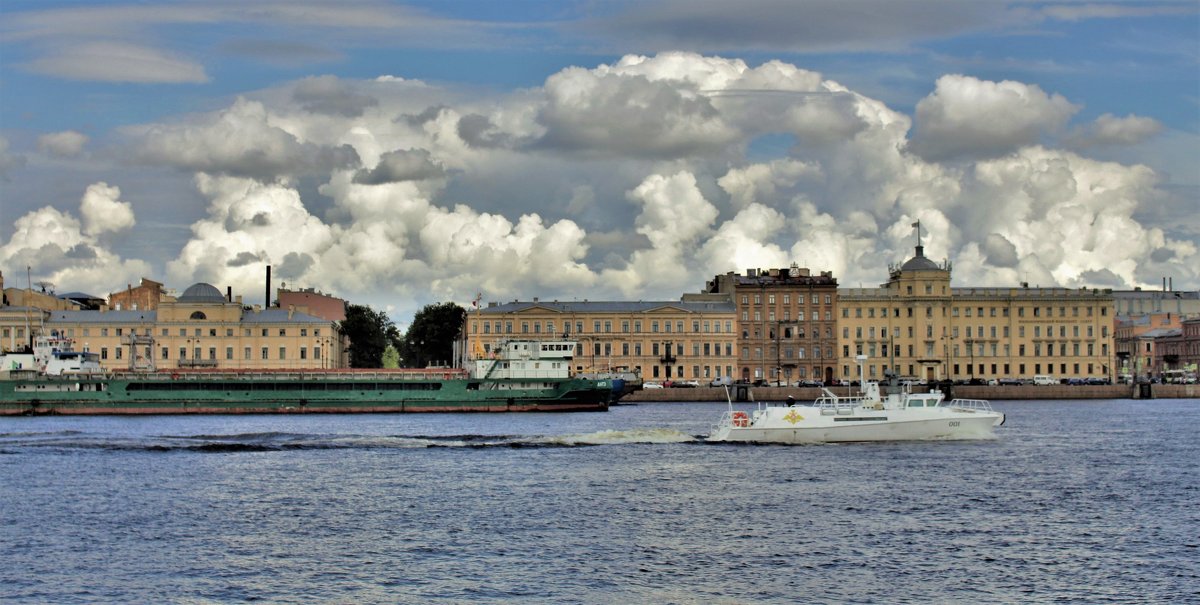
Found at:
<point>810,383</point>
<point>652,385</point>
<point>721,381</point>
<point>993,382</point>
<point>1010,381</point>
<point>685,384</point>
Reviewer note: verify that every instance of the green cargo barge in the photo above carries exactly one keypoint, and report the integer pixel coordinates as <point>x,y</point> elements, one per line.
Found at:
<point>526,376</point>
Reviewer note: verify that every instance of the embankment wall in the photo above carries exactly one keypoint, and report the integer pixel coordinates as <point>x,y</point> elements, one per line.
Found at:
<point>1029,391</point>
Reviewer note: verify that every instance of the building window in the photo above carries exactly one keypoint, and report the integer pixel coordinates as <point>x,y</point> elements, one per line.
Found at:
<point>264,352</point>
<point>283,352</point>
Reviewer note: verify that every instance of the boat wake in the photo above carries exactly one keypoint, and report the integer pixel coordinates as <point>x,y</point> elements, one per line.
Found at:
<point>277,442</point>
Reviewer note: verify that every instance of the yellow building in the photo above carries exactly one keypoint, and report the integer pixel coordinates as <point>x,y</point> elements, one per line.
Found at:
<point>692,339</point>
<point>202,329</point>
<point>920,327</point>
<point>16,326</point>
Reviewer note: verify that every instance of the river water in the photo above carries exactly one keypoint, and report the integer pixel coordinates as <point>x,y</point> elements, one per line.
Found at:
<point>1073,502</point>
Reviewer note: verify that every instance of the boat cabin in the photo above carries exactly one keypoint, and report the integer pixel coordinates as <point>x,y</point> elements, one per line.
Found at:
<point>527,359</point>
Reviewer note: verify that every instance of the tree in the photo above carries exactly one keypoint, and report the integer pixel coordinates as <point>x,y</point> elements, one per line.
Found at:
<point>430,338</point>
<point>391,357</point>
<point>370,333</point>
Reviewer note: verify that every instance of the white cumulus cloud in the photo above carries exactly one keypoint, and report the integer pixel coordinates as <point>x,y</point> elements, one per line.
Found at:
<point>64,144</point>
<point>973,118</point>
<point>102,210</point>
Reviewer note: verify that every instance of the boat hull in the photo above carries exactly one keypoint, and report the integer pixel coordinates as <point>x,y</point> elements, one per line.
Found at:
<point>811,426</point>
<point>314,395</point>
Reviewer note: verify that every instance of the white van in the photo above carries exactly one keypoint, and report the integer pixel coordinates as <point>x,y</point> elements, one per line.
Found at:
<point>1044,380</point>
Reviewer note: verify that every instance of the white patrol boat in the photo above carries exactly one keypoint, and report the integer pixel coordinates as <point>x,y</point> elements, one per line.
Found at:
<point>897,416</point>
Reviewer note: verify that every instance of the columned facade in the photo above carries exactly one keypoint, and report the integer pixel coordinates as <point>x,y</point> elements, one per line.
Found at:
<point>917,327</point>
<point>691,339</point>
<point>203,330</point>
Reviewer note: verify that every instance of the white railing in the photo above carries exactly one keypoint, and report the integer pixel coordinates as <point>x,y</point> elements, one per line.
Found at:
<point>830,404</point>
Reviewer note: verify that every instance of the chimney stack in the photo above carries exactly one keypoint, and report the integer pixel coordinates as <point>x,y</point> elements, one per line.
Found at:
<point>267,304</point>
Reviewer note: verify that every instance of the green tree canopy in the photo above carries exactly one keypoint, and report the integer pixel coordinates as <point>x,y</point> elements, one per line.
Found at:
<point>370,333</point>
<point>391,357</point>
<point>430,338</point>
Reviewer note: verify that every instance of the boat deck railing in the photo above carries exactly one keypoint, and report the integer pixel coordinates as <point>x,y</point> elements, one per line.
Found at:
<point>971,405</point>
<point>831,404</point>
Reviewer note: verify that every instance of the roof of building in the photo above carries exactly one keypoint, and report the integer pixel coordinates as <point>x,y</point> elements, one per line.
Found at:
<point>201,292</point>
<point>79,296</point>
<point>1161,332</point>
<point>612,306</point>
<point>276,315</point>
<point>1157,294</point>
<point>98,317</point>
<point>919,262</point>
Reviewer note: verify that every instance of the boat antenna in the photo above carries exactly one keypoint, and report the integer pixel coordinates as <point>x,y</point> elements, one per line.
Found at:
<point>28,295</point>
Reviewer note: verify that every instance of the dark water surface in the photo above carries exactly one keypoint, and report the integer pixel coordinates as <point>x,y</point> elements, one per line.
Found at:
<point>1083,502</point>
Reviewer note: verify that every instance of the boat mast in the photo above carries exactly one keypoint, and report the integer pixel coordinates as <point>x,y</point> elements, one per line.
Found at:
<point>28,295</point>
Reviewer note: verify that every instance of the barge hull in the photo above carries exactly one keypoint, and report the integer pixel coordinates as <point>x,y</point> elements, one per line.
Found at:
<point>190,396</point>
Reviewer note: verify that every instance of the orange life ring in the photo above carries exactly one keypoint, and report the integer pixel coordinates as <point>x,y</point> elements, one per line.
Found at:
<point>741,419</point>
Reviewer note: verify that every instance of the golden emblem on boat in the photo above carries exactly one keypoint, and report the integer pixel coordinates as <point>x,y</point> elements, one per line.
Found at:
<point>793,417</point>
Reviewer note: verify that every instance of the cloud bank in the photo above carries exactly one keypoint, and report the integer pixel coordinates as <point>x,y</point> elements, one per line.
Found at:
<point>638,179</point>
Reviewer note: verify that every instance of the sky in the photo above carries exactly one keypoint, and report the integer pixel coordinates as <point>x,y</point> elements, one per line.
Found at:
<point>399,154</point>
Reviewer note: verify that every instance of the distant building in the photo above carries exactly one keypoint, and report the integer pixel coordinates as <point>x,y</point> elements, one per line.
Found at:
<point>1177,352</point>
<point>1139,302</point>
<point>144,297</point>
<point>690,339</point>
<point>203,329</point>
<point>36,299</point>
<point>917,325</point>
<point>313,302</point>
<point>786,320</point>
<point>1135,342</point>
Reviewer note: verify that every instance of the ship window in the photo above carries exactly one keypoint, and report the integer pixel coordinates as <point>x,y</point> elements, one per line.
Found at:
<point>916,403</point>
<point>198,315</point>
